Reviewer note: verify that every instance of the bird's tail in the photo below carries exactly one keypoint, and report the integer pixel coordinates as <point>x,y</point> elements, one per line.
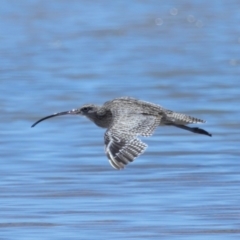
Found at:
<point>181,118</point>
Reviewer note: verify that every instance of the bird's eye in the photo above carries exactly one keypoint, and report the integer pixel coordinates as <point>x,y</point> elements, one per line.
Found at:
<point>86,109</point>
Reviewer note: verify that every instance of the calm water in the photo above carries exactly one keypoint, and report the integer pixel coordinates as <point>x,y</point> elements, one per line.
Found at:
<point>56,182</point>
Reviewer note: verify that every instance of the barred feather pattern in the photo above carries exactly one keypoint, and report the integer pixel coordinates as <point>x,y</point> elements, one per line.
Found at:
<point>122,149</point>
<point>180,118</point>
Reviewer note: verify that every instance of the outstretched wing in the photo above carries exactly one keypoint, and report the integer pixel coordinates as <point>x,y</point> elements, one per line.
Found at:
<point>122,148</point>
<point>121,139</point>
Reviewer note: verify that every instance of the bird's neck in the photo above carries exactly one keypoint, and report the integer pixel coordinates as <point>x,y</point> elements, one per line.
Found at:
<point>102,118</point>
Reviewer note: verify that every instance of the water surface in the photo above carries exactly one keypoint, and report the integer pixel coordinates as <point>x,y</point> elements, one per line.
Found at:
<point>56,182</point>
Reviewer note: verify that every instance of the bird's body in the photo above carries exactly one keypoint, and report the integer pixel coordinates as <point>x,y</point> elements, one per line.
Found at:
<point>126,119</point>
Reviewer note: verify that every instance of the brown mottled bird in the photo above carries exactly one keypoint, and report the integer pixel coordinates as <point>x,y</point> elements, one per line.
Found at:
<point>126,119</point>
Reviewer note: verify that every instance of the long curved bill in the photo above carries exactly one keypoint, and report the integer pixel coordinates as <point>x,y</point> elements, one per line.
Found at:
<point>74,111</point>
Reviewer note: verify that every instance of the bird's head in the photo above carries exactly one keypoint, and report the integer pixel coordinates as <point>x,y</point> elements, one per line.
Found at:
<point>87,110</point>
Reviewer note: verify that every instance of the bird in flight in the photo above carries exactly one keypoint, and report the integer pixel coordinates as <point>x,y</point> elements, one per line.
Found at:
<point>126,119</point>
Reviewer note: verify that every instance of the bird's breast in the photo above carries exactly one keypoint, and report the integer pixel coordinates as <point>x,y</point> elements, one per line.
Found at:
<point>103,121</point>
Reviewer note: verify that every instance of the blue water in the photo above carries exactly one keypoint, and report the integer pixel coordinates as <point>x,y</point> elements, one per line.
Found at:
<point>56,182</point>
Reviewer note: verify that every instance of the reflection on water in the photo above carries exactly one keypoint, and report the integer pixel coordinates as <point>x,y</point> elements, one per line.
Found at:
<point>56,182</point>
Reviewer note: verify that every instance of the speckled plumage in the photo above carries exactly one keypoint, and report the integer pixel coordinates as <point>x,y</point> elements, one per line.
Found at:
<point>126,119</point>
